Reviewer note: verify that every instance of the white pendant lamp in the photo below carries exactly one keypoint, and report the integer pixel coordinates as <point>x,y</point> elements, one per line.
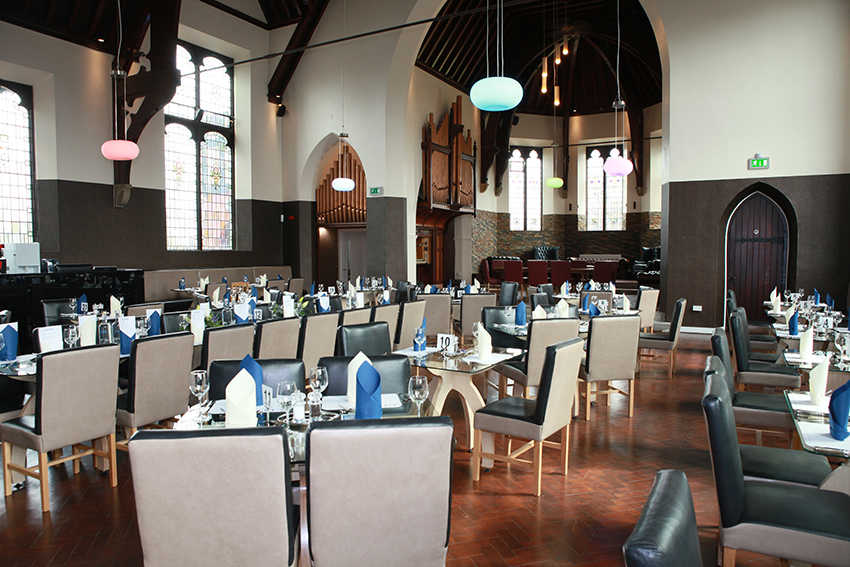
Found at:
<point>119,149</point>
<point>342,183</point>
<point>495,94</point>
<point>616,165</point>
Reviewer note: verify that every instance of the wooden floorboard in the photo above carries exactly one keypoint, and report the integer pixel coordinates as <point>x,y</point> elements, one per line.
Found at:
<point>581,519</point>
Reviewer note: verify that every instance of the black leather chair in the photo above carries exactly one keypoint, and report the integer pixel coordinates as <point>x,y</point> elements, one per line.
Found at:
<point>763,342</point>
<point>666,532</point>
<point>508,294</point>
<point>393,368</point>
<point>402,293</point>
<point>335,303</point>
<point>491,316</point>
<point>783,520</point>
<point>52,310</point>
<point>171,322</point>
<point>5,316</point>
<point>760,328</point>
<point>274,370</point>
<point>539,299</point>
<point>371,339</point>
<point>549,290</point>
<point>757,372</point>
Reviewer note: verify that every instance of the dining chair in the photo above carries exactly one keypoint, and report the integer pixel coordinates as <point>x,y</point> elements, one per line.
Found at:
<point>394,370</point>
<point>470,310</point>
<point>214,497</point>
<point>596,296</point>
<point>538,272</point>
<point>647,304</point>
<point>173,322</point>
<point>666,533</point>
<point>438,313</point>
<point>767,345</point>
<point>487,278</point>
<point>275,370</point>
<point>141,309</point>
<point>158,382</point>
<point>534,420</point>
<point>410,317</point>
<point>210,288</point>
<point>52,311</point>
<point>233,341</point>
<point>492,316</point>
<point>525,373</point>
<point>788,521</point>
<point>402,293</point>
<point>388,313</point>
<point>356,316</point>
<point>540,299</point>
<point>317,338</point>
<point>755,372</point>
<point>612,344</point>
<point>766,463</point>
<point>561,271</point>
<point>387,462</point>
<point>369,338</point>
<point>277,338</point>
<point>296,286</point>
<point>605,271</point>
<point>668,341</point>
<point>513,273</point>
<point>755,328</point>
<point>549,290</point>
<point>508,294</point>
<point>75,393</point>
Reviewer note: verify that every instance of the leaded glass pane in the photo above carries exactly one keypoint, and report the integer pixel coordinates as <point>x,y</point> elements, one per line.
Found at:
<point>16,223</point>
<point>183,104</point>
<point>516,190</point>
<point>595,191</point>
<point>615,215</point>
<point>533,192</point>
<point>181,197</point>
<point>215,93</point>
<point>216,192</point>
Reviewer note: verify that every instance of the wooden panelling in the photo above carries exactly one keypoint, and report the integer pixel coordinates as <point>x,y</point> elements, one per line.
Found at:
<point>448,162</point>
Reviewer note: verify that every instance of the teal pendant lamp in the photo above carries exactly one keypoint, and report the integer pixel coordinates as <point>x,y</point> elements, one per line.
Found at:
<point>495,94</point>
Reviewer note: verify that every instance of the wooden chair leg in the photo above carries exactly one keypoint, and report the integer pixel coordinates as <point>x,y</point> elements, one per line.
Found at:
<point>503,386</point>
<point>576,402</point>
<point>7,474</point>
<point>76,462</point>
<point>538,467</point>
<point>113,460</point>
<point>476,456</point>
<point>587,400</point>
<point>631,398</point>
<point>565,449</point>
<point>42,479</point>
<point>729,557</point>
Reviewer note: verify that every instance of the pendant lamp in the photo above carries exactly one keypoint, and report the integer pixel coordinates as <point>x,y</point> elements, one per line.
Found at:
<point>495,94</point>
<point>342,183</point>
<point>616,164</point>
<point>119,149</point>
<point>555,182</point>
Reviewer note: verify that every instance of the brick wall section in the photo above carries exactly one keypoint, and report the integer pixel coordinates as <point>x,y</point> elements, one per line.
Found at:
<point>483,237</point>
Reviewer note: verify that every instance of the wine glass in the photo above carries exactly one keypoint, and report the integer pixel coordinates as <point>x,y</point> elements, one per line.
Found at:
<point>419,339</point>
<point>321,288</point>
<point>417,389</point>
<point>69,334</point>
<point>284,397</point>
<point>319,378</point>
<point>72,303</point>
<point>787,294</point>
<point>199,388</point>
<point>2,346</point>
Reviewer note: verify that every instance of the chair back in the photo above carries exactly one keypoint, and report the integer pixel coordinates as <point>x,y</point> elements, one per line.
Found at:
<point>541,334</point>
<point>605,270</point>
<point>470,309</point>
<point>159,377</point>
<point>210,288</point>
<point>76,393</point>
<point>539,299</point>
<point>596,295</point>
<point>356,316</point>
<point>224,343</point>
<point>438,313</point>
<point>486,276</point>
<point>5,316</point>
<point>513,270</point>
<point>400,455</point>
<point>558,383</point>
<point>410,317</point>
<point>214,497</point>
<point>666,533</point>
<point>730,294</point>
<point>577,263</point>
<point>720,349</point>
<point>560,272</point>
<point>296,286</point>
<point>274,370</point>
<point>549,290</point>
<point>52,310</point>
<point>170,322</point>
<point>676,321</point>
<point>508,294</point>
<point>394,370</point>
<point>491,316</point>
<point>402,291</point>
<point>740,340</point>
<point>612,344</point>
<point>369,338</point>
<point>277,338</point>
<point>388,313</point>
<point>538,272</point>
<point>317,338</point>
<point>647,303</point>
<point>141,309</point>
<point>723,444</point>
<point>730,307</point>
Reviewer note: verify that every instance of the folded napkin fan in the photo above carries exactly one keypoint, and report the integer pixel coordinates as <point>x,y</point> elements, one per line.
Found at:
<point>563,308</point>
<point>817,297</point>
<point>485,343</point>
<point>839,412</point>
<point>793,324</point>
<point>368,402</point>
<point>256,371</point>
<point>773,295</point>
<point>467,289</point>
<point>593,310</point>
<point>585,302</point>
<point>127,325</point>
<point>114,306</point>
<point>564,288</point>
<point>267,296</point>
<point>538,313</point>
<point>240,401</point>
<point>10,337</point>
<point>520,316</point>
<point>353,367</point>
<point>215,294</point>
<point>807,343</point>
<point>829,301</point>
<point>155,317</point>
<point>817,382</point>
<point>88,330</point>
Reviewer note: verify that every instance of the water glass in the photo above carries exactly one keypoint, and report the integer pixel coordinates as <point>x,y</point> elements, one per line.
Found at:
<point>69,334</point>
<point>72,303</point>
<point>284,397</point>
<point>200,387</point>
<point>419,339</point>
<point>417,389</point>
<point>319,378</point>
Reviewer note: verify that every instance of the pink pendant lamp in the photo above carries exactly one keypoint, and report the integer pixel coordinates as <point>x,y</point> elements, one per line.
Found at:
<point>118,149</point>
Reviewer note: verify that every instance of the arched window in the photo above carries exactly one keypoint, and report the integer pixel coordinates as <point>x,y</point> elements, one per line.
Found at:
<point>606,194</point>
<point>199,154</point>
<point>17,166</point>
<point>525,189</point>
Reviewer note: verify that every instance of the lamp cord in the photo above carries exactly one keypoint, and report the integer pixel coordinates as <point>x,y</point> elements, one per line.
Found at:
<point>341,156</point>
<point>487,37</point>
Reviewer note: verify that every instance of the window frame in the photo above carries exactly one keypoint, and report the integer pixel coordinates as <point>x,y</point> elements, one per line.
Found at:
<point>604,151</point>
<point>525,152</point>
<point>26,94</point>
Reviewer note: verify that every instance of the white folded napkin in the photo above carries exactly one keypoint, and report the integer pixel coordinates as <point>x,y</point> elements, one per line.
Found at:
<point>325,302</point>
<point>773,295</point>
<point>789,313</point>
<point>288,306</point>
<point>627,305</point>
<point>807,343</point>
<point>114,306</point>
<point>353,366</point>
<point>817,383</point>
<point>241,401</point>
<point>50,338</point>
<point>485,343</point>
<point>776,303</point>
<point>476,285</point>
<point>88,330</point>
<point>357,283</point>
<point>389,282</point>
<point>564,288</point>
<point>263,280</point>
<point>205,307</point>
<point>360,301</point>
<point>216,293</point>
<point>267,297</point>
<point>204,282</point>
<point>538,313</point>
<point>198,324</point>
<point>613,288</point>
<point>563,308</point>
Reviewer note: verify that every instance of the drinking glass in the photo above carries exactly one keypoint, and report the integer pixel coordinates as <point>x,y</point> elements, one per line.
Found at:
<point>417,389</point>
<point>3,345</point>
<point>284,397</point>
<point>319,379</point>
<point>419,339</point>
<point>69,333</point>
<point>199,387</point>
<point>73,304</point>
<point>184,322</point>
<point>508,311</point>
<point>787,294</point>
<point>314,402</point>
<point>321,288</point>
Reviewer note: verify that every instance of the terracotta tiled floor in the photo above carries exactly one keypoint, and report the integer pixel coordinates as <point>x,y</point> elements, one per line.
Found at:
<point>581,519</point>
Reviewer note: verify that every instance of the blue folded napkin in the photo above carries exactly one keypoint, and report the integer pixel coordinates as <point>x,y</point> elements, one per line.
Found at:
<point>520,317</point>
<point>593,310</point>
<point>587,286</point>
<point>280,277</point>
<point>424,330</point>
<point>83,299</point>
<point>252,304</point>
<point>434,289</point>
<point>155,324</point>
<point>319,308</point>
<point>584,302</point>
<point>386,300</point>
<point>126,341</point>
<point>10,336</point>
<point>256,371</point>
<point>792,325</point>
<point>829,301</point>
<point>839,412</point>
<point>245,278</point>
<point>223,279</point>
<point>385,280</point>
<point>313,288</point>
<point>361,282</point>
<point>181,284</point>
<point>449,284</point>
<point>817,297</point>
<point>468,289</point>
<point>368,397</point>
<point>226,296</point>
<point>239,320</point>
<point>254,292</point>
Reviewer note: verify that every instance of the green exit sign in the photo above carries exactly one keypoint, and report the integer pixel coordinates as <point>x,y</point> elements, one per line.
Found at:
<point>373,191</point>
<point>759,163</point>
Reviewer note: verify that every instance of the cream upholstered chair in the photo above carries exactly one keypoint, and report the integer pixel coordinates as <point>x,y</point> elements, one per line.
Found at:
<point>666,341</point>
<point>596,295</point>
<point>277,338</point>
<point>438,312</point>
<point>234,341</point>
<point>141,309</point>
<point>214,497</point>
<point>534,420</point>
<point>357,316</point>
<point>471,305</point>
<point>647,304</point>
<point>526,373</point>
<point>611,346</point>
<point>158,380</point>
<point>317,338</point>
<point>296,286</point>
<point>388,313</point>
<point>75,403</point>
<point>410,317</point>
<point>361,513</point>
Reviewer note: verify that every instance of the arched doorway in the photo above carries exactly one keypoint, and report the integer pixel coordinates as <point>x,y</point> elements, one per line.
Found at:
<point>758,250</point>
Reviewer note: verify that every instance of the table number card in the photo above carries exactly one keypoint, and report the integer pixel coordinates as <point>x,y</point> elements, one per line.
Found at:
<point>447,343</point>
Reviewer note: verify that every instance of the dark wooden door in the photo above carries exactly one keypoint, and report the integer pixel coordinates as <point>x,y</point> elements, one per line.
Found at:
<point>757,252</point>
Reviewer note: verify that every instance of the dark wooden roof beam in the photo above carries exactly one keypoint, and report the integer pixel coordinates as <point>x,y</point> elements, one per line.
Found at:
<point>300,38</point>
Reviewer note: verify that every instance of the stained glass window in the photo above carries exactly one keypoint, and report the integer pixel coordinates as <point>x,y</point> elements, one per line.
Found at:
<point>199,154</point>
<point>606,194</point>
<point>16,163</point>
<point>525,190</point>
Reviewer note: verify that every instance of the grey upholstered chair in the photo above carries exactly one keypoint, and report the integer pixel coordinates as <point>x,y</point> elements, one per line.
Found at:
<point>369,338</point>
<point>470,310</point>
<point>526,373</point>
<point>274,370</point>
<point>317,338</point>
<point>410,317</point>
<point>225,343</point>
<point>647,303</point>
<point>539,299</point>
<point>356,316</point>
<point>668,341</point>
<point>388,313</point>
<point>666,532</point>
<point>158,380</point>
<point>756,372</point>
<point>141,309</point>
<point>214,497</point>
<point>612,344</point>
<point>75,402</point>
<point>394,370</point>
<point>277,338</point>
<point>386,463</point>
<point>438,312</point>
<point>534,420</point>
<point>296,286</point>
<point>787,521</point>
<point>767,463</point>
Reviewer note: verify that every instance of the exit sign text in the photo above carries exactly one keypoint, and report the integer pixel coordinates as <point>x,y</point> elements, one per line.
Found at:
<point>759,163</point>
